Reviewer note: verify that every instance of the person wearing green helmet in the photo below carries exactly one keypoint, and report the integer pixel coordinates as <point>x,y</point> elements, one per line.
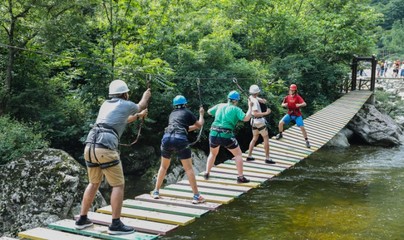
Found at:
<point>175,141</point>
<point>227,115</point>
<point>102,156</point>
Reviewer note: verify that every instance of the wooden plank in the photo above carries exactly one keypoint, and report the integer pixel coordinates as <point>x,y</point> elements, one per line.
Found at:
<point>279,160</point>
<point>245,172</point>
<point>218,186</point>
<point>185,195</point>
<point>232,181</point>
<point>138,224</point>
<point>178,202</point>
<point>204,191</point>
<point>273,142</point>
<point>165,208</point>
<point>275,153</point>
<point>290,138</point>
<point>97,231</point>
<point>233,177</point>
<point>281,145</point>
<point>151,216</point>
<point>253,164</point>
<point>40,233</point>
<point>249,169</point>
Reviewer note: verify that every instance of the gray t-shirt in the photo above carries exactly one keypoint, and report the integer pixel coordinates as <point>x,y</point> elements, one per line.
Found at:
<point>112,118</point>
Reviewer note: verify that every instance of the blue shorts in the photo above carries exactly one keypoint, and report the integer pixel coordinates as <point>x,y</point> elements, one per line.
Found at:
<point>229,143</point>
<point>299,120</point>
<point>175,143</point>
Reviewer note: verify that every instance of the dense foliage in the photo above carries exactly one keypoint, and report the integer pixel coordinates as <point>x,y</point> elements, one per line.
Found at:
<point>57,57</point>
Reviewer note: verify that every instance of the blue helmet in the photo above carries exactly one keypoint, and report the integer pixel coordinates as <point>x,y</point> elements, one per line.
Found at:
<point>179,100</point>
<point>234,95</point>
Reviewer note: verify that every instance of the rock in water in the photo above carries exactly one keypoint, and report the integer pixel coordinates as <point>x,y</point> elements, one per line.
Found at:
<point>375,128</point>
<point>41,188</point>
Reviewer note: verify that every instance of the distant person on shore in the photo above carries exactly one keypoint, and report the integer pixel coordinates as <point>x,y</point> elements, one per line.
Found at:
<point>258,124</point>
<point>175,140</point>
<point>396,67</point>
<point>102,155</point>
<point>293,102</point>
<point>402,70</point>
<point>227,115</point>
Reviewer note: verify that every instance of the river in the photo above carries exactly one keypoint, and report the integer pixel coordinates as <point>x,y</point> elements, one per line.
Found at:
<point>353,193</point>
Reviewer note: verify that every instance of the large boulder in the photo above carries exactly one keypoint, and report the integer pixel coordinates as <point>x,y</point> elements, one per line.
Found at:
<point>340,140</point>
<point>41,188</point>
<point>137,158</point>
<point>375,128</point>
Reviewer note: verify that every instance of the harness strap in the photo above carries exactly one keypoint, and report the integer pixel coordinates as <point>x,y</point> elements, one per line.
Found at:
<point>103,165</point>
<point>260,128</point>
<point>221,130</point>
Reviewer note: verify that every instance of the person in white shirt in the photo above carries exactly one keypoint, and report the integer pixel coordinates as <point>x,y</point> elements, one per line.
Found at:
<point>258,124</point>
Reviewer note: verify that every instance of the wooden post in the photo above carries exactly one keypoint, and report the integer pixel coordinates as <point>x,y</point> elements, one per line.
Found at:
<point>354,67</point>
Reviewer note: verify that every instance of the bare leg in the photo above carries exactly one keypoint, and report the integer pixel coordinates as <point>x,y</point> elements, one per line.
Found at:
<point>239,160</point>
<point>88,197</point>
<point>266,146</point>
<point>252,144</point>
<point>304,132</point>
<point>280,126</point>
<point>165,163</point>
<point>116,201</point>
<point>211,158</point>
<point>187,164</point>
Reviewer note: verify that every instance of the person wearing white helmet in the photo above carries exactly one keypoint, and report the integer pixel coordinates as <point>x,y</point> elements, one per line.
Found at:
<point>258,124</point>
<point>102,156</point>
<point>175,141</point>
<point>227,115</point>
<point>293,102</point>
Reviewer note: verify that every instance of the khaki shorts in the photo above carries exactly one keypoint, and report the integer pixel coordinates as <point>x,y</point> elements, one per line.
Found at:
<point>263,132</point>
<point>114,174</point>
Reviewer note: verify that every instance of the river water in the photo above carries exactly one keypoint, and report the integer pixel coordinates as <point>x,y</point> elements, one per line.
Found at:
<point>354,193</point>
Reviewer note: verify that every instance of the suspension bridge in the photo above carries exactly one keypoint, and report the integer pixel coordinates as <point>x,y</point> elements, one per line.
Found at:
<point>153,218</point>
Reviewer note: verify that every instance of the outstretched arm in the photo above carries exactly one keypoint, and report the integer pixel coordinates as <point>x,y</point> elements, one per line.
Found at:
<point>198,124</point>
<point>145,99</point>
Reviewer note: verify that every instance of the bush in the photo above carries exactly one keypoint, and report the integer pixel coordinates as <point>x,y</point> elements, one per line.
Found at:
<point>17,139</point>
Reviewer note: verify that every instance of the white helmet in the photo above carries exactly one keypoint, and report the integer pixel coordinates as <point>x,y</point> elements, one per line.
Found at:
<point>254,89</point>
<point>118,87</point>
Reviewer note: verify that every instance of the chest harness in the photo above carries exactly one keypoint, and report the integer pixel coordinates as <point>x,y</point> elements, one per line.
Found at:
<point>99,128</point>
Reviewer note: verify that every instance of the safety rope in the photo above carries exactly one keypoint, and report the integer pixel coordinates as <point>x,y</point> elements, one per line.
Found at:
<point>198,138</point>
<point>148,80</point>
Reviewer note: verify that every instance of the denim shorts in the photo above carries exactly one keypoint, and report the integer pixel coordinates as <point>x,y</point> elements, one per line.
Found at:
<point>175,143</point>
<point>299,120</point>
<point>229,143</point>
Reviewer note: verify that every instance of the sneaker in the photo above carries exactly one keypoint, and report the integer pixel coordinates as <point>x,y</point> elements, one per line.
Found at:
<point>279,136</point>
<point>308,144</point>
<point>269,161</point>
<point>83,223</point>
<point>242,179</point>
<point>206,176</point>
<point>250,159</point>
<point>155,194</point>
<point>120,229</point>
<point>198,199</point>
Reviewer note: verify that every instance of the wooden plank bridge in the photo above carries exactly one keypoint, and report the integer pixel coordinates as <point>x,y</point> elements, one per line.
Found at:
<point>155,217</point>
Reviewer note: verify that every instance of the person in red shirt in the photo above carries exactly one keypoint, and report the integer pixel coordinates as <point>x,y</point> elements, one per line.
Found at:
<point>293,102</point>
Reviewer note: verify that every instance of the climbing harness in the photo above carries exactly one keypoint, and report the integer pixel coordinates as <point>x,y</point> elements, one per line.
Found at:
<point>148,80</point>
<point>98,128</point>
<point>198,138</point>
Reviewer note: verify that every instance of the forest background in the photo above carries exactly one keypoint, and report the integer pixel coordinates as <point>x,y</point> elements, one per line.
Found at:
<point>58,57</point>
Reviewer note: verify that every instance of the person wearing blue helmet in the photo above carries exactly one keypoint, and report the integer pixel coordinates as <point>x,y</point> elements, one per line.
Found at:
<point>175,140</point>
<point>227,115</point>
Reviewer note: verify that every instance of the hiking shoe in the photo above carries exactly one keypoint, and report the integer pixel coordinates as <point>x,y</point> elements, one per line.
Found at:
<point>155,194</point>
<point>308,144</point>
<point>120,229</point>
<point>206,176</point>
<point>83,223</point>
<point>269,161</point>
<point>250,159</point>
<point>198,199</point>
<point>242,179</point>
<point>279,136</point>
